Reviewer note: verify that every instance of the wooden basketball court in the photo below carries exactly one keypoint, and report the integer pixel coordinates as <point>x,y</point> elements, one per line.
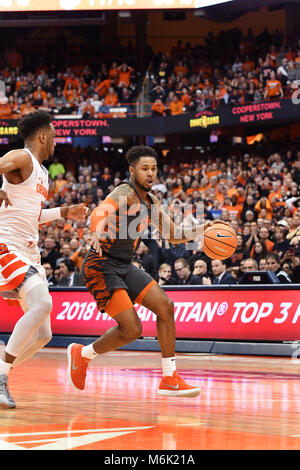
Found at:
<point>246,403</point>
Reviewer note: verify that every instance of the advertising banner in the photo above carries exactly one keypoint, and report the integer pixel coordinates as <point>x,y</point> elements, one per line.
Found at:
<point>269,314</point>
<point>253,114</point>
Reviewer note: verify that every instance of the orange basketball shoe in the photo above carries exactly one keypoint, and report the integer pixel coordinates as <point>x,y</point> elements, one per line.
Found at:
<point>175,386</point>
<point>77,366</point>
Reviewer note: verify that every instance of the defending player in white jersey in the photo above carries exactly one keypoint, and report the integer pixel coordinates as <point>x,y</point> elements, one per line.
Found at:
<point>23,193</point>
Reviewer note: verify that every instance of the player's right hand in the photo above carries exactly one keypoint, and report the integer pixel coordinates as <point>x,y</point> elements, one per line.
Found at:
<point>95,243</point>
<point>4,197</point>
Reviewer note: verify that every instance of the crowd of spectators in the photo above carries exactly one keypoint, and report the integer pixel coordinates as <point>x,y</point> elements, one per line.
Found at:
<point>230,69</point>
<point>255,189</point>
<point>259,196</point>
<point>108,89</point>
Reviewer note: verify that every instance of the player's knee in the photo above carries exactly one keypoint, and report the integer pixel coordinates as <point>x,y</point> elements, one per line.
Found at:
<point>136,332</point>
<point>166,309</point>
<point>45,305</point>
<point>39,302</point>
<point>132,331</point>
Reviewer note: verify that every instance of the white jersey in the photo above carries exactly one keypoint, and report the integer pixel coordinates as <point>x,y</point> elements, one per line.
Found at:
<point>19,223</point>
<point>19,230</point>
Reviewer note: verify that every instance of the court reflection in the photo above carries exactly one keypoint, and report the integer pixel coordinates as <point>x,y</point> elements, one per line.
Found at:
<point>245,403</point>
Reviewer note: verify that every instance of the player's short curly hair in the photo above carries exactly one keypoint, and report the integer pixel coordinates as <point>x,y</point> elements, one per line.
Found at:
<point>135,153</point>
<point>33,122</point>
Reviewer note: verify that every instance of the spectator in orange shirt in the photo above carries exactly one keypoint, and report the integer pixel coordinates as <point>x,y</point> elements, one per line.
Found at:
<point>103,87</point>
<point>59,183</point>
<point>273,88</point>
<point>125,73</point>
<point>180,68</point>
<point>186,98</point>
<point>275,195</point>
<point>242,177</point>
<point>20,81</point>
<point>176,106</point>
<point>232,207</point>
<point>26,107</point>
<point>158,108</point>
<point>263,203</point>
<point>113,71</point>
<point>69,92</point>
<point>88,111</point>
<point>253,79</point>
<point>248,65</point>
<point>39,92</point>
<point>73,80</point>
<point>207,70</point>
<point>5,109</point>
<point>14,106</point>
<point>111,99</point>
<point>193,187</point>
<point>273,56</point>
<point>78,256</point>
<point>212,170</point>
<point>264,236</point>
<point>236,207</point>
<point>177,188</point>
<point>231,187</point>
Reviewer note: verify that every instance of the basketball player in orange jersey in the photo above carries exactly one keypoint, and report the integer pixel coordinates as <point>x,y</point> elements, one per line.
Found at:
<point>23,193</point>
<point>116,284</point>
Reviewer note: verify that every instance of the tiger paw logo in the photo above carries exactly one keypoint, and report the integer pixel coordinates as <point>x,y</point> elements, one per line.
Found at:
<point>69,4</point>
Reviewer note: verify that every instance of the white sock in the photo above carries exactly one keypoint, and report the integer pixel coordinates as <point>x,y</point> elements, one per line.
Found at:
<point>168,366</point>
<point>5,367</point>
<point>88,352</point>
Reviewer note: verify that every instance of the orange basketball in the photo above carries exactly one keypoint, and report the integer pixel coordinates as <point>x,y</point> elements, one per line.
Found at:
<point>220,241</point>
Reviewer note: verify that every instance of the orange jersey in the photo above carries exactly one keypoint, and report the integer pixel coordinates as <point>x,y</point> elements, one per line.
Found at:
<point>111,100</point>
<point>43,94</point>
<point>159,108</point>
<point>176,108</point>
<point>103,87</point>
<point>116,225</point>
<point>186,99</point>
<point>5,111</point>
<point>180,69</point>
<point>124,77</point>
<point>273,87</point>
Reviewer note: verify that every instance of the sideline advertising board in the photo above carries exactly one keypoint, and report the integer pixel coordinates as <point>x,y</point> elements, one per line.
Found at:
<point>241,313</point>
<point>250,116</point>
